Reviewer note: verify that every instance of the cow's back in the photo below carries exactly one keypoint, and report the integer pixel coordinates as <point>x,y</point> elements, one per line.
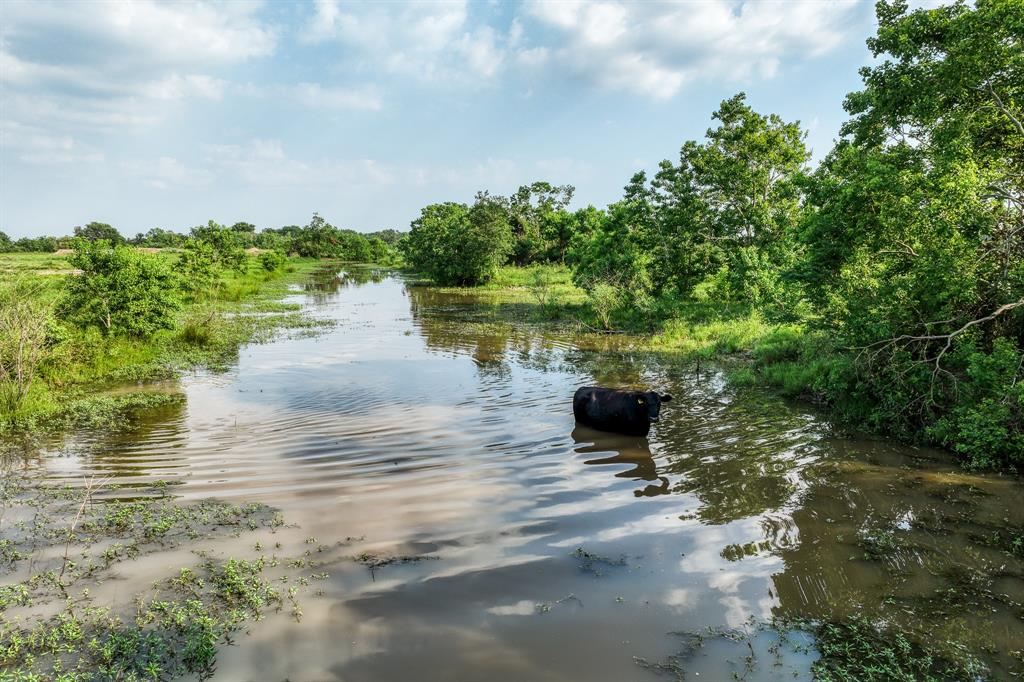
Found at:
<point>609,410</point>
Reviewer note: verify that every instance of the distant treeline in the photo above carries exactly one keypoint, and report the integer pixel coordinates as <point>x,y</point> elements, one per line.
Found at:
<point>318,239</point>
<point>893,271</point>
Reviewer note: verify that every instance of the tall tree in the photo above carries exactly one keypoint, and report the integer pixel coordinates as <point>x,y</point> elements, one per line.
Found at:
<point>915,236</point>
<point>94,231</point>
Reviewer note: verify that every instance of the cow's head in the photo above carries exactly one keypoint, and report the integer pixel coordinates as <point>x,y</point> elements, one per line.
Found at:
<point>652,401</point>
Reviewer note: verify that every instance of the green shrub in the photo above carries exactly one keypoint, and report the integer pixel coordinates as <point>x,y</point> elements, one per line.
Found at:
<point>272,260</point>
<point>225,244</point>
<point>985,424</point>
<point>120,290</point>
<point>25,320</point>
<point>198,266</point>
<point>201,328</point>
<point>604,300</point>
<point>459,245</point>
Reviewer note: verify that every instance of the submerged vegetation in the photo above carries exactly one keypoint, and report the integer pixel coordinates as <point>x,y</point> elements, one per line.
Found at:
<point>848,650</point>
<point>59,541</point>
<point>887,283</point>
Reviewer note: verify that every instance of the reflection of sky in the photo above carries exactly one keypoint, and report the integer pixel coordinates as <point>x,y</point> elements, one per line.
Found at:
<point>395,425</point>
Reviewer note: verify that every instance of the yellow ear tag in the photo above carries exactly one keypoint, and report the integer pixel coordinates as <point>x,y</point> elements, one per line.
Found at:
<point>639,401</point>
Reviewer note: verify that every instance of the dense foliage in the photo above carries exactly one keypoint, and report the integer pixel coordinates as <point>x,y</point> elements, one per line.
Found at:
<point>915,231</point>
<point>458,244</point>
<point>120,290</point>
<point>95,231</point>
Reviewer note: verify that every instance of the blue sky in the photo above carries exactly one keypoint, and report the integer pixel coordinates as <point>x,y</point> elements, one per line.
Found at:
<point>145,114</point>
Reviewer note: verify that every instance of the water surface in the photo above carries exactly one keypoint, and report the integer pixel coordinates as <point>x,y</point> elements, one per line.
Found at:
<point>423,427</point>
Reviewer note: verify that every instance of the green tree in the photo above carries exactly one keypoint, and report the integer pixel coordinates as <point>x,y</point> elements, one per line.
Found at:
<point>159,238</point>
<point>614,249</point>
<point>198,266</point>
<point>389,236</point>
<point>6,245</point>
<point>456,244</point>
<point>94,231</point>
<point>227,249</point>
<point>726,216</point>
<point>732,205</point>
<point>120,290</point>
<point>245,233</point>
<point>274,240</point>
<point>915,237</point>
<point>534,214</point>
<point>35,245</point>
<point>318,239</point>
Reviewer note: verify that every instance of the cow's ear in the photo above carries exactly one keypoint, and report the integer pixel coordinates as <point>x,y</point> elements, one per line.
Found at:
<point>666,398</point>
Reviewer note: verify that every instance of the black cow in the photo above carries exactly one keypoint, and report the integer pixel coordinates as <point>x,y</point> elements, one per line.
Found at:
<point>607,409</point>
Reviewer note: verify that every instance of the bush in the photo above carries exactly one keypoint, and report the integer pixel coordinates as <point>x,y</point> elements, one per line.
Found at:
<point>121,291</point>
<point>201,328</point>
<point>272,260</point>
<point>604,300</point>
<point>457,245</point>
<point>986,423</point>
<point>225,244</point>
<point>198,266</point>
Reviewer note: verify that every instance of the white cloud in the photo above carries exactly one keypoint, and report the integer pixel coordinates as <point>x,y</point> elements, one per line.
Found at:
<point>481,51</point>
<point>317,96</point>
<point>174,34</point>
<point>534,56</point>
<point>177,86</point>
<point>83,67</point>
<point>38,146</point>
<point>265,163</point>
<point>431,41</point>
<point>655,48</point>
<point>167,171</point>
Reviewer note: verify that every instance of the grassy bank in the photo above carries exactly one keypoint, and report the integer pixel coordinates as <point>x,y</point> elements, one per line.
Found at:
<point>545,294</point>
<point>81,365</point>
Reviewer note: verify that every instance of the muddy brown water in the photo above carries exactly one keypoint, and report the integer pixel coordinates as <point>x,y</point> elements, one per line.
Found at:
<point>422,427</point>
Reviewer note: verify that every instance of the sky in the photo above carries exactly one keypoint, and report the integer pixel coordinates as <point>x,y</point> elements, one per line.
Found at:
<point>148,114</point>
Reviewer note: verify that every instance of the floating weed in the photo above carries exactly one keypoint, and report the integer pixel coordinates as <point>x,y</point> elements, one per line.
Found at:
<point>546,606</point>
<point>374,562</point>
<point>591,563</point>
<point>852,649</point>
<point>175,630</point>
<point>856,649</point>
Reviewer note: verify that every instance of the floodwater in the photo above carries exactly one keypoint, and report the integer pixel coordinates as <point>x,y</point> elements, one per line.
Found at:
<point>422,428</point>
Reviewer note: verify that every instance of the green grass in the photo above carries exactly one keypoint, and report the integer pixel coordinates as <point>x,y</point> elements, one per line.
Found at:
<point>538,293</point>
<point>696,335</point>
<point>698,329</point>
<point>21,263</point>
<point>512,284</point>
